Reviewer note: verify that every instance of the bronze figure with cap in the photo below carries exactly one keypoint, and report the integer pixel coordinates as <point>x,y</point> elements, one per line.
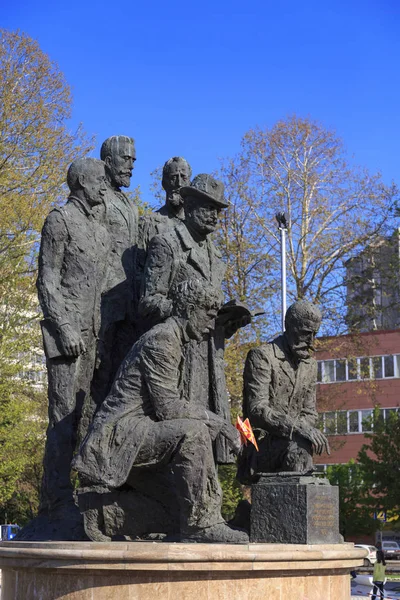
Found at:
<point>187,252</point>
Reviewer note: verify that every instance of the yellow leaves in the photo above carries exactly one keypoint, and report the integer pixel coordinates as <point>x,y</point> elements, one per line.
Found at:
<point>36,146</point>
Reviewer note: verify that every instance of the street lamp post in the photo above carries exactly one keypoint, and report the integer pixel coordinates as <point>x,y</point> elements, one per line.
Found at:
<point>282,226</point>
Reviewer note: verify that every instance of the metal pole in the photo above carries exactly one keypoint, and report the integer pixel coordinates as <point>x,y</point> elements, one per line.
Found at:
<point>282,225</point>
<point>283,275</point>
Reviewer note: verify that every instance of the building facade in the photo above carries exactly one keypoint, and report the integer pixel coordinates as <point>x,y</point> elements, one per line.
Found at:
<point>356,373</point>
<point>373,286</point>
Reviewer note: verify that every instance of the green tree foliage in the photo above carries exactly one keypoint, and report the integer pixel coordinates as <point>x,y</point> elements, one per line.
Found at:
<point>22,443</point>
<point>231,488</point>
<point>372,483</point>
<point>36,145</point>
<point>355,513</point>
<point>36,148</point>
<point>379,460</point>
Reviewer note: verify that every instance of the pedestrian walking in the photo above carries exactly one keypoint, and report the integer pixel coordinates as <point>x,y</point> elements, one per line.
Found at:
<point>378,578</point>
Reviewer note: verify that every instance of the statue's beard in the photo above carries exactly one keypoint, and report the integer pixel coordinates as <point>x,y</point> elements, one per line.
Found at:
<point>300,351</point>
<point>175,199</point>
<point>94,196</point>
<point>123,179</point>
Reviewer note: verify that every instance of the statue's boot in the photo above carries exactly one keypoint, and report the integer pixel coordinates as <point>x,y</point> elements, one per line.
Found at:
<point>220,533</point>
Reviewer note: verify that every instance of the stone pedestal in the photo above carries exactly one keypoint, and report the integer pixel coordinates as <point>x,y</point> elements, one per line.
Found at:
<point>294,509</point>
<point>157,571</point>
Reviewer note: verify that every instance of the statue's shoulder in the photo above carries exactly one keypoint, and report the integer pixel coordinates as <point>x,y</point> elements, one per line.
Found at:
<point>269,351</point>
<point>261,353</point>
<point>168,237</point>
<point>55,222</point>
<point>163,336</point>
<point>150,225</point>
<point>57,213</point>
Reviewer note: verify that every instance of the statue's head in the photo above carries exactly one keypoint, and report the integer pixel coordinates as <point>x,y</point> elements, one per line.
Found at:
<point>176,174</point>
<point>118,153</point>
<point>203,201</point>
<point>86,177</point>
<point>302,322</point>
<point>197,304</point>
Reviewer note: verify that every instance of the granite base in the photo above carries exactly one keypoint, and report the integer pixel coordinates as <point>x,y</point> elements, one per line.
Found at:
<point>294,509</point>
<point>157,571</point>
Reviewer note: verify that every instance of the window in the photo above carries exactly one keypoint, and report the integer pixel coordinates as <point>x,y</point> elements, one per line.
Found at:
<point>366,420</point>
<point>377,367</point>
<point>364,368</point>
<point>330,423</point>
<point>319,375</point>
<point>379,418</point>
<point>352,369</point>
<point>389,366</point>
<point>353,421</point>
<point>340,370</point>
<point>389,412</point>
<point>29,375</point>
<point>320,422</point>
<point>329,371</point>
<point>397,366</point>
<point>341,421</point>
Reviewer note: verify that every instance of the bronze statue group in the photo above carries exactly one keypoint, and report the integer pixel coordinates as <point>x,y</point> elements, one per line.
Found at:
<point>134,327</point>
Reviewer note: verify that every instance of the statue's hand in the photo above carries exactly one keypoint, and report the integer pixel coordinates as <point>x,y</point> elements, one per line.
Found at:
<point>280,423</point>
<point>317,438</point>
<point>233,436</point>
<point>216,425</point>
<point>71,342</point>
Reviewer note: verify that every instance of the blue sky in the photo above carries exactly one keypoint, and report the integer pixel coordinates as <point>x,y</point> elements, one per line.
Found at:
<point>190,78</point>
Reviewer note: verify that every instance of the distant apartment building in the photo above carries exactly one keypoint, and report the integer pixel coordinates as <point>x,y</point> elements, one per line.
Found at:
<point>356,372</point>
<point>373,286</point>
<point>34,369</point>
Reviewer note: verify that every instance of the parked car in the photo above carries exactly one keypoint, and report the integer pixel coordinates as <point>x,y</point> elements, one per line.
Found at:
<point>391,550</point>
<point>371,558</point>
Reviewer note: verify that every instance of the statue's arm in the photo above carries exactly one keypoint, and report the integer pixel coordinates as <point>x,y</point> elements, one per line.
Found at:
<point>257,405</point>
<point>154,302</point>
<point>257,379</point>
<point>309,415</point>
<point>51,258</point>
